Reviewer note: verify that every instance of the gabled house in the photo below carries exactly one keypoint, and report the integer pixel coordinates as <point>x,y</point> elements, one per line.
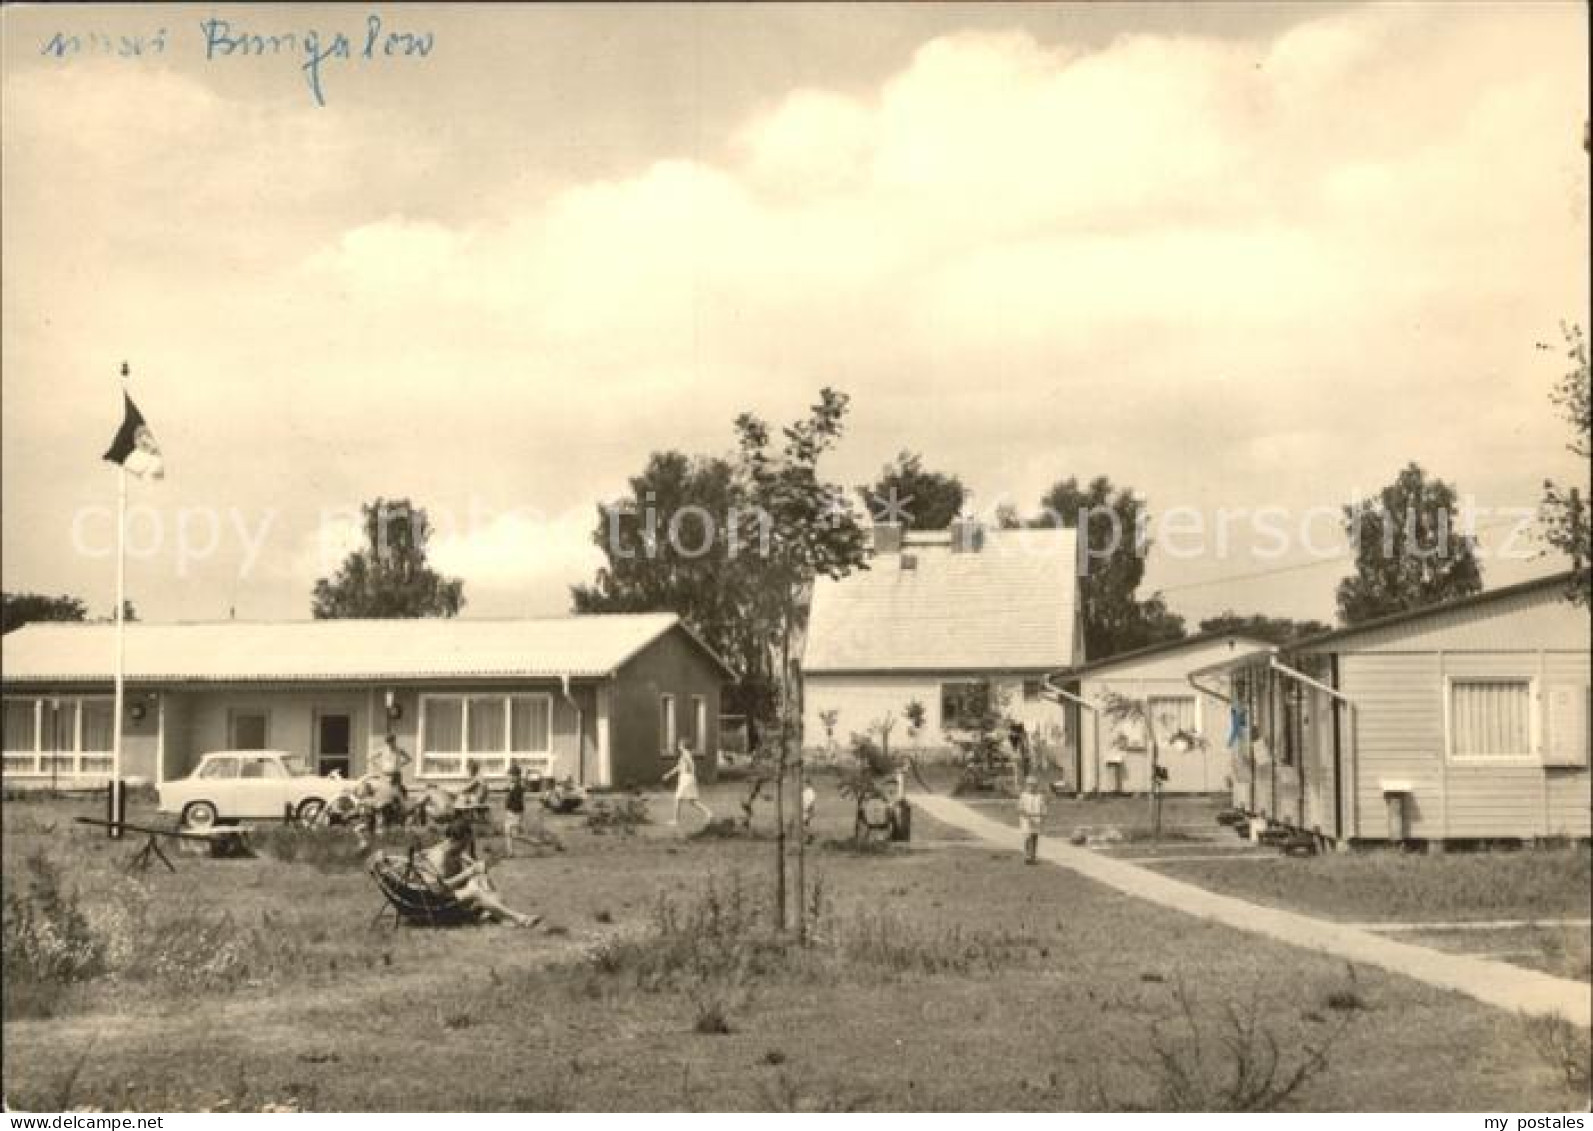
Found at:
<point>935,612</point>
<point>601,699</point>
<point>1466,720</point>
<point>1113,756</point>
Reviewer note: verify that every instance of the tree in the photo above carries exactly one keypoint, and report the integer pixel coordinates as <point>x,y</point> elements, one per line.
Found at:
<point>1565,514</point>
<point>26,608</point>
<point>388,577</point>
<point>1409,550</point>
<point>804,528</point>
<point>1273,630</point>
<point>920,499</point>
<point>670,547</point>
<point>1115,620</point>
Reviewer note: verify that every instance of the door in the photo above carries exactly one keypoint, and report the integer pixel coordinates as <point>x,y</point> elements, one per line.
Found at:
<point>334,737</point>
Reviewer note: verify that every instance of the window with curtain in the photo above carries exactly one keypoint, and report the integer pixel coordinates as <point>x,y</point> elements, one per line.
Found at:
<point>21,736</point>
<point>443,731</point>
<point>1171,714</point>
<point>668,731</point>
<point>98,735</point>
<point>484,723</point>
<point>1490,718</point>
<point>530,724</point>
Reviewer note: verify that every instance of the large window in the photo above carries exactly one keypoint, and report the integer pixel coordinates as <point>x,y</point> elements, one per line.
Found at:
<point>1171,714</point>
<point>493,729</point>
<point>68,736</point>
<point>1491,718</point>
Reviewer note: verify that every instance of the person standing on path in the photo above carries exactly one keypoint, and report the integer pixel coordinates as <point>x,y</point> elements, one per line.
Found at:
<point>1032,806</point>
<point>685,773</point>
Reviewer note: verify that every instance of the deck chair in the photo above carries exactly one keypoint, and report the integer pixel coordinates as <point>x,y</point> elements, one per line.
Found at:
<point>414,896</point>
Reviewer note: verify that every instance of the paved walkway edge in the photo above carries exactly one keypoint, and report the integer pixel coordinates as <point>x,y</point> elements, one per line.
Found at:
<point>1500,984</point>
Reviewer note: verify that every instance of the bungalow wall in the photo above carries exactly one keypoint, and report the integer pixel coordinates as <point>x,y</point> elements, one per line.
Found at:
<point>1106,744</point>
<point>672,669</point>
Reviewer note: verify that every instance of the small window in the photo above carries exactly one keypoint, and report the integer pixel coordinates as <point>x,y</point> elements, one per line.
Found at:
<point>220,769</point>
<point>1490,718</point>
<point>249,730</point>
<point>699,724</point>
<point>963,703</point>
<point>668,732</point>
<point>1031,690</point>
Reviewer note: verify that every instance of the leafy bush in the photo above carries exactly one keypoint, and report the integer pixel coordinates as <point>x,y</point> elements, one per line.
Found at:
<point>621,815</point>
<point>46,942</point>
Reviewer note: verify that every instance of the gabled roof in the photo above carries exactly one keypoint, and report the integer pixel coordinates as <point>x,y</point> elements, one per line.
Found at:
<point>1166,647</point>
<point>1339,635</point>
<point>337,650</point>
<point>1007,606</point>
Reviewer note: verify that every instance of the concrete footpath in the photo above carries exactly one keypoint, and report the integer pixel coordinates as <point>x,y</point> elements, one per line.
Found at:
<point>1501,984</point>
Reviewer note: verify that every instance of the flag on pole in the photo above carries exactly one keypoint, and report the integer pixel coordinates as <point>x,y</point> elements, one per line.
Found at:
<point>134,446</point>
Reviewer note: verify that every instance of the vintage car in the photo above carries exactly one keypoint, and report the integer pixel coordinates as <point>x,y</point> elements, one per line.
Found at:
<point>233,785</point>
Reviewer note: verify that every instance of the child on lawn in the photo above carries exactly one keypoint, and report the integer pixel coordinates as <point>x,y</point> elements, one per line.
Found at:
<point>1032,805</point>
<point>685,771</point>
<point>513,809</point>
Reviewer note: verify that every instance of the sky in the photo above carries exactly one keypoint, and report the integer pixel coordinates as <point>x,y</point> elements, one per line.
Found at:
<point>1243,258</point>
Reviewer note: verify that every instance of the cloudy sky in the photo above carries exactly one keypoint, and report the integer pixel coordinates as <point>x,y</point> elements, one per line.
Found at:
<point>1243,257</point>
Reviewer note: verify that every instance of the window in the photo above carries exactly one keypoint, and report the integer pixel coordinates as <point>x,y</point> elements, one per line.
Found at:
<point>1031,690</point>
<point>1491,718</point>
<point>70,736</point>
<point>963,703</point>
<point>1171,714</point>
<point>492,729</point>
<point>668,735</point>
<point>219,769</point>
<point>699,724</point>
<point>248,730</point>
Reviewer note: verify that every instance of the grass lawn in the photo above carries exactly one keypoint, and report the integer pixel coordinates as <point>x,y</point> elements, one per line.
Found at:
<point>945,976</point>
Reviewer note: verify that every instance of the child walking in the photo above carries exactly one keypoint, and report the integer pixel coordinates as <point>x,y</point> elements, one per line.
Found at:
<point>513,809</point>
<point>685,771</point>
<point>1032,806</point>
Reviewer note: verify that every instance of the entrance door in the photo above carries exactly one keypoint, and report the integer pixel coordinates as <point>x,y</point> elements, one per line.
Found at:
<point>334,733</point>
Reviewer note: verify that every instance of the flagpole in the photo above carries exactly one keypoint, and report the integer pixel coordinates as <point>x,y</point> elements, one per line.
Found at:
<point>115,795</point>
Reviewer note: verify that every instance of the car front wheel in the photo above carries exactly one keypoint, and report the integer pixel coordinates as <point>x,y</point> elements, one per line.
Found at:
<point>199,815</point>
<point>310,810</point>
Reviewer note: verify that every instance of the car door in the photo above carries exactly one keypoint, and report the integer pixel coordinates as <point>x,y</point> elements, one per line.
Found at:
<point>262,786</point>
<point>218,784</point>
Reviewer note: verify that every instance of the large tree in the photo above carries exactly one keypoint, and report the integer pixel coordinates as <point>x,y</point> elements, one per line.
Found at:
<point>804,528</point>
<point>909,493</point>
<point>1566,513</point>
<point>389,576</point>
<point>1115,618</point>
<point>1410,550</point>
<point>669,545</point>
<point>1273,630</point>
<point>25,608</point>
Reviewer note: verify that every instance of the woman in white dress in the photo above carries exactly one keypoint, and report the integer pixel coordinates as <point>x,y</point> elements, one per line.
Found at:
<point>685,773</point>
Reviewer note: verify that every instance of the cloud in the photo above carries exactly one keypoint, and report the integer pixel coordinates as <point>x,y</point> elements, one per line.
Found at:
<point>1255,271</point>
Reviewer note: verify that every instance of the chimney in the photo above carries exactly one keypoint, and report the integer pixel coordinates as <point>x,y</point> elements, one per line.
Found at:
<point>887,537</point>
<point>967,535</point>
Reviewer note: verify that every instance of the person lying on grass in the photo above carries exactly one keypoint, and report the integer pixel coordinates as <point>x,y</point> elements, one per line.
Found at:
<point>467,877</point>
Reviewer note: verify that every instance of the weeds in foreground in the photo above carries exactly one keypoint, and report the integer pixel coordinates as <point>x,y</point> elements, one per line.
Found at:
<point>1237,1064</point>
<point>1566,1048</point>
<point>46,942</point>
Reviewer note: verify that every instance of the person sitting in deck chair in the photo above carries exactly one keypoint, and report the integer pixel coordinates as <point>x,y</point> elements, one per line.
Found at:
<point>450,860</point>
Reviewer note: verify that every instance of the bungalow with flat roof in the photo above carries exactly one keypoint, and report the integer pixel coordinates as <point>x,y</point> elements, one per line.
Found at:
<point>602,699</point>
<point>1463,721</point>
<point>934,612</point>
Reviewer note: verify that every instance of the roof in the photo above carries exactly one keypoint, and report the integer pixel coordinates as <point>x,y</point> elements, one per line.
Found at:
<point>1199,640</point>
<point>1338,635</point>
<point>337,650</point>
<point>1008,606</point>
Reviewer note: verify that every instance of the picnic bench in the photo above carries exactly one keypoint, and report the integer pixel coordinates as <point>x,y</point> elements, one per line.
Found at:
<point>223,840</point>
